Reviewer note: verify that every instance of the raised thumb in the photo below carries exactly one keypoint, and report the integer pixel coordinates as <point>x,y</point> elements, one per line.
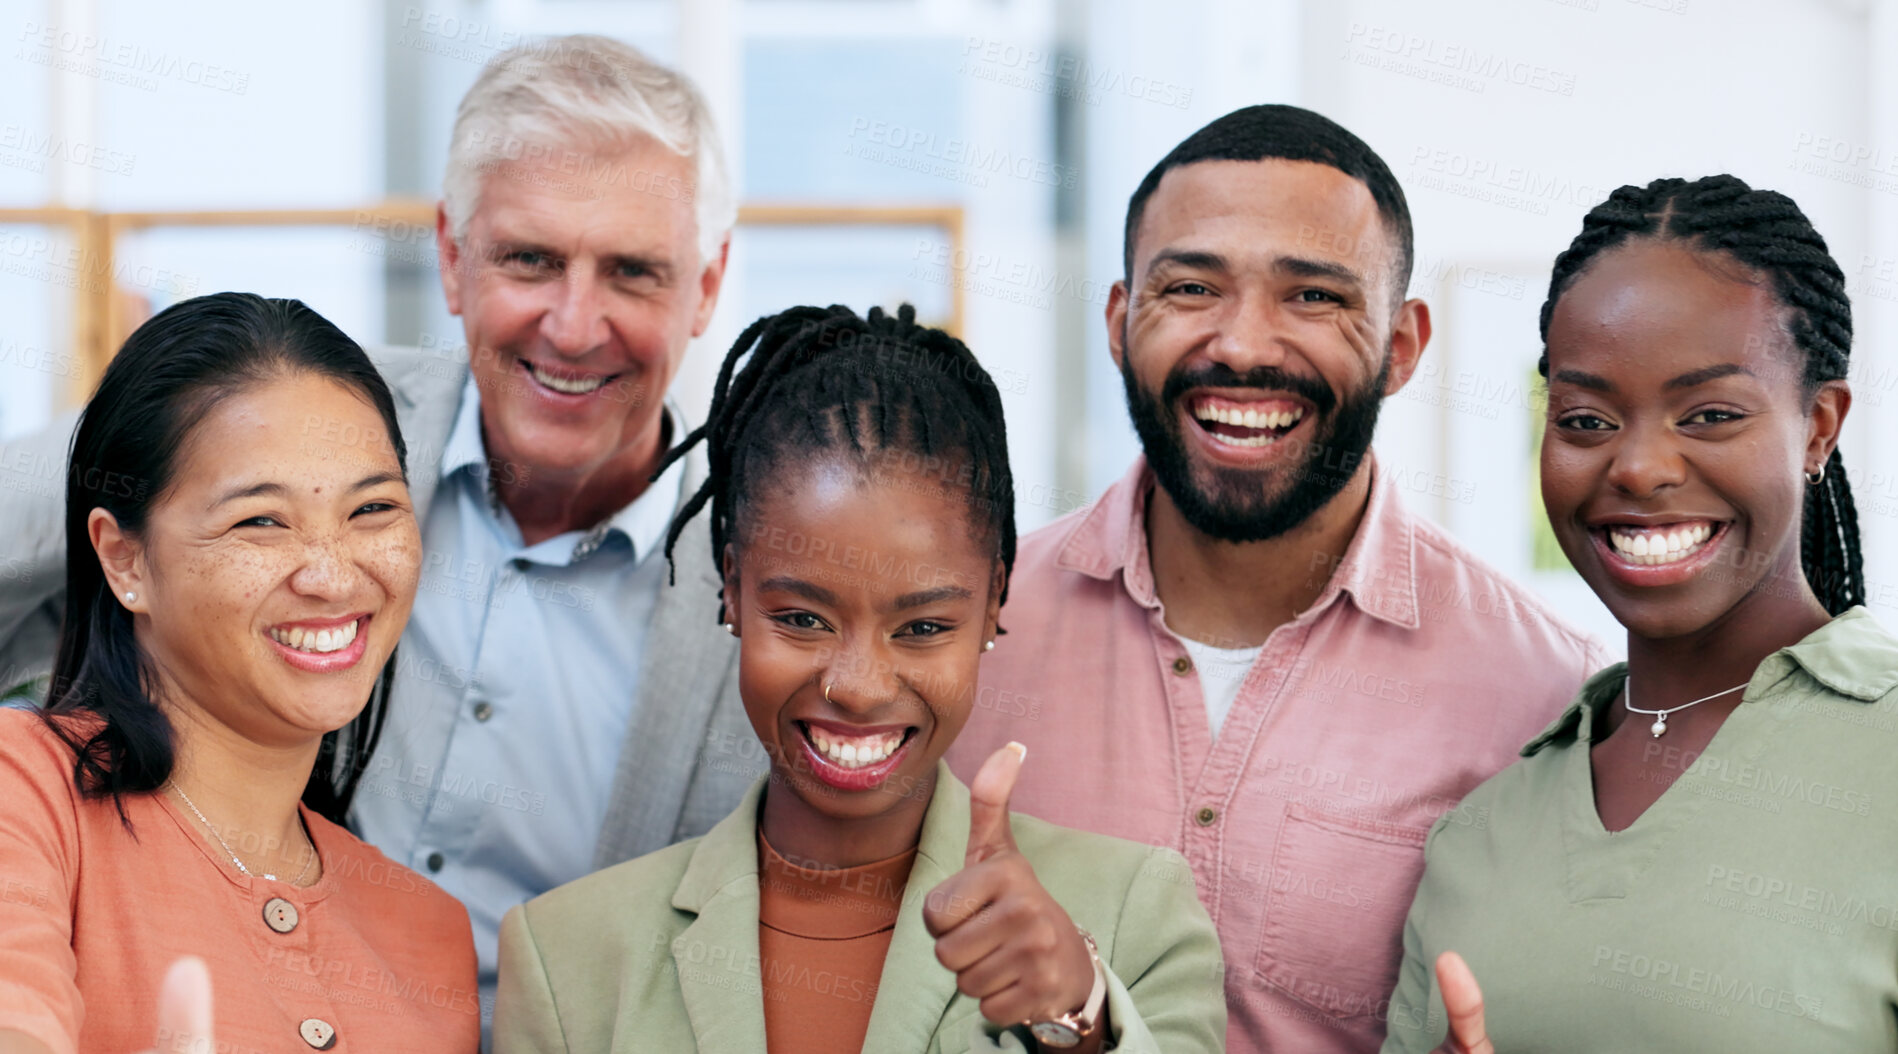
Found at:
<point>988,803</point>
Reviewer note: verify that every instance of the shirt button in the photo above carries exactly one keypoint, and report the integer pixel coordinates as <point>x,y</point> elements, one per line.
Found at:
<point>483,710</point>
<point>280,915</point>
<point>435,861</point>
<point>317,1032</point>
<point>1206,815</point>
<point>1182,666</point>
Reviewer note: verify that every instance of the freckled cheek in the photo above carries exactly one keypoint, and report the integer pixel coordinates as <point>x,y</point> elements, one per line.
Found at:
<point>394,561</point>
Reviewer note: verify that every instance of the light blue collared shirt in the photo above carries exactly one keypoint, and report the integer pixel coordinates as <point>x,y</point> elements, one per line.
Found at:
<point>515,683</point>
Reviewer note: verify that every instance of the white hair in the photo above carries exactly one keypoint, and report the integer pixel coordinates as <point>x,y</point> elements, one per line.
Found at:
<point>535,102</point>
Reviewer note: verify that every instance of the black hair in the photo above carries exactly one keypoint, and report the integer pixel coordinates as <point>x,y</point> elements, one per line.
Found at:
<point>1767,232</point>
<point>881,390</point>
<point>1286,133</point>
<point>170,373</point>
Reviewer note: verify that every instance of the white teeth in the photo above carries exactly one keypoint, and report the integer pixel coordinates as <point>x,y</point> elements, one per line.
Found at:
<point>1659,546</point>
<point>569,385</point>
<point>1248,418</point>
<point>854,753</point>
<point>319,641</point>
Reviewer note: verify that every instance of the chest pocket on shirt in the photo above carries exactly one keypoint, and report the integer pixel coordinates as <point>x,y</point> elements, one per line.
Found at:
<point>1334,913</point>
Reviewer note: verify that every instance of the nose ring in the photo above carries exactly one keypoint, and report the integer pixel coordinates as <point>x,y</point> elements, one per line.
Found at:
<point>827,691</point>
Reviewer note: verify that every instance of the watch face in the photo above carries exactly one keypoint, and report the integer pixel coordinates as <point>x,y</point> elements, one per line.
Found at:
<point>1055,1034</point>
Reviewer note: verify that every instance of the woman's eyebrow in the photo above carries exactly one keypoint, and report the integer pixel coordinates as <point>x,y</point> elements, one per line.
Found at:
<point>807,590</point>
<point>376,480</point>
<point>931,596</point>
<point>1705,374</point>
<point>277,490</point>
<point>1583,380</point>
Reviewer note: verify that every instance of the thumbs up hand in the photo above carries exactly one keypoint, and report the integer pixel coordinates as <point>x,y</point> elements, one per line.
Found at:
<point>1008,942</point>
<point>1463,1002</point>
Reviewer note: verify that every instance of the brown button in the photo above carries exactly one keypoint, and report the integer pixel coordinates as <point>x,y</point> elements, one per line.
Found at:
<point>1206,816</point>
<point>1182,665</point>
<point>483,710</point>
<point>318,1033</point>
<point>280,915</point>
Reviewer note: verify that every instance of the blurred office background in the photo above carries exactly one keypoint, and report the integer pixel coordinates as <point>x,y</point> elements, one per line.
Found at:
<point>972,156</point>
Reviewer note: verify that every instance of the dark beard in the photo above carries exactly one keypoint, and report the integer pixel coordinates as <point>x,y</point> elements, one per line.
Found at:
<point>1236,505</point>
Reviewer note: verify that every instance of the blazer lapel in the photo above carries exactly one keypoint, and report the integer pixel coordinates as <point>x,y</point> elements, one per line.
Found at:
<point>427,391</point>
<point>676,725</point>
<point>915,990</point>
<point>716,957</point>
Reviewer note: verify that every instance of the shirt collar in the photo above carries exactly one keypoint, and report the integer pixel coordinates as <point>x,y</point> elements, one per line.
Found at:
<point>1378,570</point>
<point>1853,655</point>
<point>643,521</point>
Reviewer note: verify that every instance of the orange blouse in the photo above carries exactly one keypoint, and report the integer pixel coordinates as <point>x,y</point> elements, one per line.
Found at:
<point>822,936</point>
<point>372,957</point>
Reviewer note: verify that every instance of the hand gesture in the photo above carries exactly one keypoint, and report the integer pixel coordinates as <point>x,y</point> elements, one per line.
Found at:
<point>184,1009</point>
<point>1463,1002</point>
<point>1007,941</point>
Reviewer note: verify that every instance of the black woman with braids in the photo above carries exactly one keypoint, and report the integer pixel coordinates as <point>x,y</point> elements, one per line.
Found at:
<point>861,898</point>
<point>1700,854</point>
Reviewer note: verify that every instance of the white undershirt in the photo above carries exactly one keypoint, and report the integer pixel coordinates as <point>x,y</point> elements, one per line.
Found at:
<point>1221,671</point>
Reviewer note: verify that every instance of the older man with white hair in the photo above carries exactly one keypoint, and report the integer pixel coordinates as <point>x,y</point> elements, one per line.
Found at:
<point>558,704</point>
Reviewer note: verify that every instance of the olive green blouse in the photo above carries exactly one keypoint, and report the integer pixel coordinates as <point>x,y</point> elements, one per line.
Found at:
<point>1753,907</point>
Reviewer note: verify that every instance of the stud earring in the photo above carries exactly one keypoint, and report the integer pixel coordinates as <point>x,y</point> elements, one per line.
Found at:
<point>130,596</point>
<point>988,646</point>
<point>731,629</point>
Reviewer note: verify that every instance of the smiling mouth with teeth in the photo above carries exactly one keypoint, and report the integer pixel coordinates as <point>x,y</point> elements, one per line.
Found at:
<point>854,752</point>
<point>1659,545</point>
<point>565,384</point>
<point>1237,424</point>
<point>319,642</point>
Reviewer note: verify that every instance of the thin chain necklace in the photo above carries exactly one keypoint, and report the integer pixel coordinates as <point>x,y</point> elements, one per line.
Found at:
<point>1659,727</point>
<point>186,798</point>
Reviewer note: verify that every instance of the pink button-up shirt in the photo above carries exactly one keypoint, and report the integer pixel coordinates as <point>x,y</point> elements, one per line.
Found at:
<point>1417,674</point>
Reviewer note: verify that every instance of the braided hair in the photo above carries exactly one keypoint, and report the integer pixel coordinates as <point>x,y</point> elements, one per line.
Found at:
<point>1764,230</point>
<point>880,390</point>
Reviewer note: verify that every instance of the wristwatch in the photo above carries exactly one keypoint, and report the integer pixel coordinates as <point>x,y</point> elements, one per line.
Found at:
<point>1069,1030</point>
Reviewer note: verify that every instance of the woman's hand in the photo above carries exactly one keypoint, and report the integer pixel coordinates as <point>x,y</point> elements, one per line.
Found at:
<point>1008,942</point>
<point>184,1009</point>
<point>1463,1002</point>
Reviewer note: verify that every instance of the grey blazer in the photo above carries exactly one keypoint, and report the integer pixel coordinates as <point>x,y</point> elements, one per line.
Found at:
<point>689,754</point>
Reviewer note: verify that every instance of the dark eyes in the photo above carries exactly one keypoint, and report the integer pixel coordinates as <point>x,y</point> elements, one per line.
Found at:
<point>1585,422</point>
<point>367,509</point>
<point>1323,296</point>
<point>1191,289</point>
<point>804,620</point>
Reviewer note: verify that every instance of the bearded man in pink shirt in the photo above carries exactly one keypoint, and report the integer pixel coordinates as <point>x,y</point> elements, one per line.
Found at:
<point>1248,650</point>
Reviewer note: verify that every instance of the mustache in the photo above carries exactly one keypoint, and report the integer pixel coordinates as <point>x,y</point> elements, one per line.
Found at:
<point>1266,378</point>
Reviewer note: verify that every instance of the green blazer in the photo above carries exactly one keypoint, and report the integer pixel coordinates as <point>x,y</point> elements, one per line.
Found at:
<point>661,953</point>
